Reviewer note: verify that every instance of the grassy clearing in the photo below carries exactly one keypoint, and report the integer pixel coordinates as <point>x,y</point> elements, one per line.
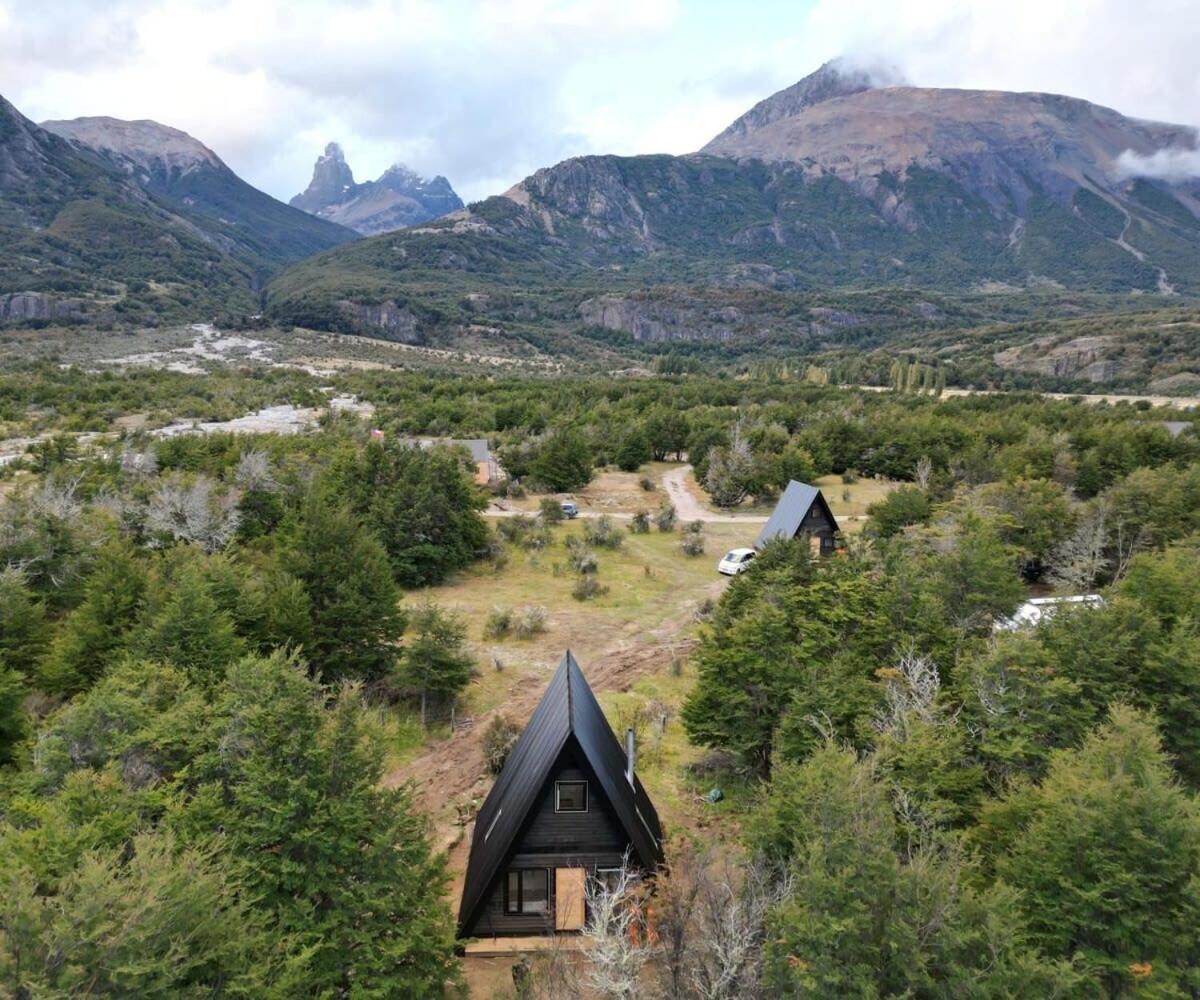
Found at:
<point>653,588</point>
<point>849,501</point>
<point>664,752</point>
<point>611,491</point>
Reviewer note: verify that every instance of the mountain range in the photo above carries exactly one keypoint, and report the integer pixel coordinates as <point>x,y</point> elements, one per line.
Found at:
<point>106,221</point>
<point>846,210</point>
<point>831,188</point>
<point>397,199</point>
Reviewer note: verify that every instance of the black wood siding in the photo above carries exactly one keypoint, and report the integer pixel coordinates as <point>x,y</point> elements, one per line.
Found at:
<point>554,840</point>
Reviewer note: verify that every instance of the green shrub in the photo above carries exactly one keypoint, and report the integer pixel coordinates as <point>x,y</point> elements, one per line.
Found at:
<point>530,622</point>
<point>499,738</point>
<point>499,623</point>
<point>602,532</point>
<point>587,587</point>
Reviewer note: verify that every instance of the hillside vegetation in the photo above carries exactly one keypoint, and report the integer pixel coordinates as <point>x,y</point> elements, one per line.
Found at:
<point>82,242</point>
<point>1155,351</point>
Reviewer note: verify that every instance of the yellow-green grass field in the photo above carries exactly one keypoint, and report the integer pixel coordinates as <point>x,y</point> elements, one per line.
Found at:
<point>848,501</point>
<point>611,492</point>
<point>632,643</point>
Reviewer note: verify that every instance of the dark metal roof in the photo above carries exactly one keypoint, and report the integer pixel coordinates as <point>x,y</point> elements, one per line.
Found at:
<point>568,710</point>
<point>789,513</point>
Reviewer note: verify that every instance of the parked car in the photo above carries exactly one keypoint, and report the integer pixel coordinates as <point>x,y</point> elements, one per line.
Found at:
<point>736,561</point>
<point>569,509</point>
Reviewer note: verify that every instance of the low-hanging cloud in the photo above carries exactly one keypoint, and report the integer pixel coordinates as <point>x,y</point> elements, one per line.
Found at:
<point>1173,165</point>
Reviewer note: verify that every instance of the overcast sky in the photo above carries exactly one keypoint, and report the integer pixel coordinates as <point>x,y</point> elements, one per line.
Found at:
<point>487,92</point>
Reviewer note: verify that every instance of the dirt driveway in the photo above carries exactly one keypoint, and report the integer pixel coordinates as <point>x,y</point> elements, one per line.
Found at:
<point>690,509</point>
<point>674,484</point>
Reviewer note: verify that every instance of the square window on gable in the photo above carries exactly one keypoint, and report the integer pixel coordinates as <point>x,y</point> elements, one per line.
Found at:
<point>570,796</point>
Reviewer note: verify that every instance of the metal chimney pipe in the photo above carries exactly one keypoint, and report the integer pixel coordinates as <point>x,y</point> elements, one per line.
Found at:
<point>630,754</point>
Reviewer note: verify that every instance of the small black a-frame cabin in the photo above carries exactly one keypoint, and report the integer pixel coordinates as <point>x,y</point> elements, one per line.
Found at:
<point>802,510</point>
<point>566,806</point>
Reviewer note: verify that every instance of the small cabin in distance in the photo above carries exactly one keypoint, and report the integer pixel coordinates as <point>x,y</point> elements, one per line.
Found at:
<point>487,469</point>
<point>802,511</point>
<point>566,807</point>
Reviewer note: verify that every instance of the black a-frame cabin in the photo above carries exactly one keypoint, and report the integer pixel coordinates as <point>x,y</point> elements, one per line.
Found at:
<point>802,511</point>
<point>566,807</point>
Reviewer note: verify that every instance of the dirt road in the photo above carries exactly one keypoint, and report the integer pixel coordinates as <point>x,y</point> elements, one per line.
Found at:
<point>674,483</point>
<point>690,509</point>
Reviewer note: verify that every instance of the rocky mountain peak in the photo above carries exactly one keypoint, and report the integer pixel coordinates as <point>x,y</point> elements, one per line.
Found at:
<point>332,182</point>
<point>836,78</point>
<point>400,197</point>
<point>138,145</point>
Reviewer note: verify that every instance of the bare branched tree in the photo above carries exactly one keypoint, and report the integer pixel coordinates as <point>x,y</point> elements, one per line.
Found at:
<point>729,470</point>
<point>922,472</point>
<point>1081,559</point>
<point>139,464</point>
<point>192,514</point>
<point>617,950</point>
<point>254,471</point>
<point>910,692</point>
<point>57,499</point>
<point>731,922</point>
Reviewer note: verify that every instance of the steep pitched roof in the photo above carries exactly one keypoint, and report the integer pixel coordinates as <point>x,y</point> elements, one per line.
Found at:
<point>789,513</point>
<point>567,710</point>
<point>478,447</point>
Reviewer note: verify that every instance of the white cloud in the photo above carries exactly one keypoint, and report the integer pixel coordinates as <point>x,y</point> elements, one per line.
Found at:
<point>1172,165</point>
<point>486,92</point>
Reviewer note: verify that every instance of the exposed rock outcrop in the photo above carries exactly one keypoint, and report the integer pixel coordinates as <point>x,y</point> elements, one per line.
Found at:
<point>386,320</point>
<point>23,307</point>
<point>137,145</point>
<point>657,321</point>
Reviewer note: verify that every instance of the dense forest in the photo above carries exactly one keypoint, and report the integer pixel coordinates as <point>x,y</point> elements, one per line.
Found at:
<point>206,641</point>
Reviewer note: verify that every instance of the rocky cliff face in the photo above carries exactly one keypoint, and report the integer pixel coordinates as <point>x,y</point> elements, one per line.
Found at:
<point>25,307</point>
<point>397,199</point>
<point>834,79</point>
<point>332,182</point>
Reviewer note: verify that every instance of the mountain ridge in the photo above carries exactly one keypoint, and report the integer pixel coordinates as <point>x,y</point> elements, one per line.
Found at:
<point>961,205</point>
<point>197,184</point>
<point>109,222</point>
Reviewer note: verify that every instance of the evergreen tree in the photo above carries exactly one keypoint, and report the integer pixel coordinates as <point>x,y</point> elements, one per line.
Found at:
<point>191,630</point>
<point>634,451</point>
<point>341,866</point>
<point>1106,855</point>
<point>353,604</point>
<point>12,714</point>
<point>96,633</point>
<point>146,919</point>
<point>420,504</point>
<point>435,659</point>
<point>23,628</point>
<point>863,920</point>
<point>772,640</point>
<point>667,431</point>
<point>563,462</point>
<point>977,579</point>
